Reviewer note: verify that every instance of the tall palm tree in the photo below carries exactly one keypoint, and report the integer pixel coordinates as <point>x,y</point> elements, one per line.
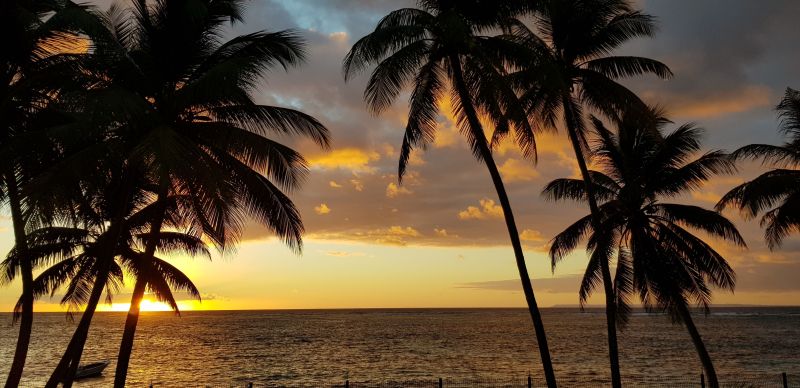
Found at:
<point>31,75</point>
<point>439,44</point>
<point>658,258</point>
<point>183,99</point>
<point>572,69</point>
<point>775,193</point>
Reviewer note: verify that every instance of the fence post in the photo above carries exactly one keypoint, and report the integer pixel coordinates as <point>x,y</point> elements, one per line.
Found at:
<point>250,385</point>
<point>441,383</point>
<point>530,383</point>
<point>702,380</point>
<point>785,380</point>
<point>347,384</point>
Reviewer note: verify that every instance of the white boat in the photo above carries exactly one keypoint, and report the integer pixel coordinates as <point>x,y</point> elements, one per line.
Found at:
<point>90,370</point>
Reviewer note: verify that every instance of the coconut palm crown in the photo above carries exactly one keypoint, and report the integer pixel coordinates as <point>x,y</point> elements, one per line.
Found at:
<point>573,69</point>
<point>442,49</point>
<point>658,257</point>
<point>776,193</point>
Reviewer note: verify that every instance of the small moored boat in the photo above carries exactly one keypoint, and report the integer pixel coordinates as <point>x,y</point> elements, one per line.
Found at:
<point>90,370</point>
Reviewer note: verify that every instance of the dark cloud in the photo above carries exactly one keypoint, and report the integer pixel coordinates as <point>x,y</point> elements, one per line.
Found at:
<point>732,60</point>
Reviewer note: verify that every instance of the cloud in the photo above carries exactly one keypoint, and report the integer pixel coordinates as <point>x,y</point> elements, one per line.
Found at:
<point>532,235</point>
<point>322,209</point>
<point>393,190</point>
<point>713,105</point>
<point>488,209</point>
<point>353,159</point>
<point>728,81</point>
<point>769,277</point>
<point>393,235</point>
<point>357,184</point>
<point>515,170</point>
<point>334,185</point>
<point>561,284</point>
<point>440,232</point>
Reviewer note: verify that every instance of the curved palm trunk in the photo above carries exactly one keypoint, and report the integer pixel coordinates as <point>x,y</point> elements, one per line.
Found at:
<point>126,346</point>
<point>527,286</point>
<point>611,305</point>
<point>132,320</point>
<point>700,346</point>
<point>65,370</point>
<point>26,272</point>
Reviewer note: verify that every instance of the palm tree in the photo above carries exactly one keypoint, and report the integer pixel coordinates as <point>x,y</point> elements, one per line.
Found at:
<point>31,75</point>
<point>90,258</point>
<point>182,99</point>
<point>572,69</point>
<point>775,193</point>
<point>428,46</point>
<point>658,258</point>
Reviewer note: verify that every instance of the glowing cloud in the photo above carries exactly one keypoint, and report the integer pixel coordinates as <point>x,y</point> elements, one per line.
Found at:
<point>532,235</point>
<point>322,209</point>
<point>357,184</point>
<point>352,159</point>
<point>515,170</point>
<point>393,190</point>
<point>488,209</point>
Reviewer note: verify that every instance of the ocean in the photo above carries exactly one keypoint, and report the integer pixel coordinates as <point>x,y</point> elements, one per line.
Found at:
<point>326,347</point>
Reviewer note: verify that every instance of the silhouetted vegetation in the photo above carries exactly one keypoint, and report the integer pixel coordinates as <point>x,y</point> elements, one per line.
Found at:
<point>776,193</point>
<point>571,71</point>
<point>133,133</point>
<point>162,148</point>
<point>437,47</point>
<point>657,258</point>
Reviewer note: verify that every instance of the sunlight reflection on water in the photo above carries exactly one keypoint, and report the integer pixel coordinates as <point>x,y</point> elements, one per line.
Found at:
<point>300,348</point>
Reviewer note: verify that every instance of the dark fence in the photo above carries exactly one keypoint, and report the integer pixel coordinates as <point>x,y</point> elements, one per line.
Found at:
<point>782,380</point>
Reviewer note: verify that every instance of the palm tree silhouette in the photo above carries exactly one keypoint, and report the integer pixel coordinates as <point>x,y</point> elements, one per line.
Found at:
<point>775,193</point>
<point>90,257</point>
<point>32,74</point>
<point>182,99</point>
<point>657,257</point>
<point>571,68</point>
<point>428,46</point>
<point>109,207</point>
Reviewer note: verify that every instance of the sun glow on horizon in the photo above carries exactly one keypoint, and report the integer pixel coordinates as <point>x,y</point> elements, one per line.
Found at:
<point>146,305</point>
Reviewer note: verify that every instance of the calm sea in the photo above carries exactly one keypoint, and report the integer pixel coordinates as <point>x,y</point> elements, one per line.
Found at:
<point>311,348</point>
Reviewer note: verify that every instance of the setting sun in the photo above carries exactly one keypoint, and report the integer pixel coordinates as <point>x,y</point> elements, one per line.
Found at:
<point>145,305</point>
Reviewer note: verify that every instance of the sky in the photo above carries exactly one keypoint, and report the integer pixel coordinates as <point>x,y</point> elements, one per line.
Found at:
<point>439,240</point>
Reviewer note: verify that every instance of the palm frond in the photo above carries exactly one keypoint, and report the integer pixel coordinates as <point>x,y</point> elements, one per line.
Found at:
<point>620,67</point>
<point>421,127</point>
<point>566,241</point>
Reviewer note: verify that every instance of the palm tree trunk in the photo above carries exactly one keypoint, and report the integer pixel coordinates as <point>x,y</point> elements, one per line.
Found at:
<point>26,272</point>
<point>611,305</point>
<point>700,346</point>
<point>132,320</point>
<point>65,370</point>
<point>486,154</point>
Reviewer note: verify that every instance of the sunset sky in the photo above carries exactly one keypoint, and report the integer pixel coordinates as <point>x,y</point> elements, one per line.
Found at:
<point>439,239</point>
